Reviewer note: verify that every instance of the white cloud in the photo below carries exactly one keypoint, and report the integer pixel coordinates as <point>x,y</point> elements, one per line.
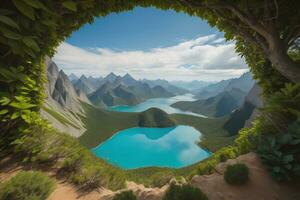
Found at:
<point>204,58</point>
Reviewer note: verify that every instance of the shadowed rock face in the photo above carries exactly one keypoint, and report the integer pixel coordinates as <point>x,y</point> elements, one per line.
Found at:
<point>112,96</point>
<point>52,74</point>
<point>60,89</point>
<point>64,92</point>
<point>62,106</point>
<point>128,80</point>
<point>253,96</point>
<point>244,116</point>
<point>244,83</point>
<point>85,85</point>
<point>122,92</point>
<point>110,77</point>
<point>159,91</point>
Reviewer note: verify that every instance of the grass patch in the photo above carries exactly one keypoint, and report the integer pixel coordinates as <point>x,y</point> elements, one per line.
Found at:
<point>59,117</point>
<point>102,124</point>
<point>214,135</point>
<point>27,185</point>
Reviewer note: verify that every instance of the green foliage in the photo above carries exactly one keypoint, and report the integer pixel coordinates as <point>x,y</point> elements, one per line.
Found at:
<point>32,29</point>
<point>27,185</point>
<point>281,153</point>
<point>184,192</point>
<point>60,117</point>
<point>249,138</point>
<point>283,106</point>
<point>41,144</point>
<point>126,195</point>
<point>236,174</point>
<point>161,179</point>
<point>208,166</point>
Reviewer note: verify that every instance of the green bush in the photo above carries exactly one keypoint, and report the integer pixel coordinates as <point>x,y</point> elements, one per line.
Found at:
<point>41,144</point>
<point>281,153</point>
<point>236,174</point>
<point>184,192</point>
<point>126,195</point>
<point>27,186</point>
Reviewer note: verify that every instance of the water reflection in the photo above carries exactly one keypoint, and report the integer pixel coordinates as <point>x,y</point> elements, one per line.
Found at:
<point>143,147</point>
<point>161,103</point>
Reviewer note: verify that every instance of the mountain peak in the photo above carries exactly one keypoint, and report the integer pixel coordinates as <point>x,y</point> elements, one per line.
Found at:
<point>127,76</point>
<point>83,77</point>
<point>128,79</point>
<point>73,77</point>
<point>110,77</point>
<point>62,73</point>
<point>112,74</point>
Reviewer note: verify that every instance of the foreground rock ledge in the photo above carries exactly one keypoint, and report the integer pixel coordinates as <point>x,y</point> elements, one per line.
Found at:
<point>260,186</point>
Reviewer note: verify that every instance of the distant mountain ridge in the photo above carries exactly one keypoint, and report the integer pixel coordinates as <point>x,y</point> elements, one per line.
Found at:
<point>123,90</point>
<point>244,83</point>
<point>218,106</point>
<point>167,85</point>
<point>84,84</point>
<point>243,116</point>
<point>191,85</point>
<point>220,99</point>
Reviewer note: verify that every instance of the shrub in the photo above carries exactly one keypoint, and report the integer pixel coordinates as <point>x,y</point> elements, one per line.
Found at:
<point>161,178</point>
<point>281,153</point>
<point>126,195</point>
<point>41,144</point>
<point>27,185</point>
<point>236,174</point>
<point>248,138</point>
<point>184,192</point>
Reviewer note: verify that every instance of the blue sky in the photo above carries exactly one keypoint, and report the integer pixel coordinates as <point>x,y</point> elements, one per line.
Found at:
<point>141,29</point>
<point>150,43</point>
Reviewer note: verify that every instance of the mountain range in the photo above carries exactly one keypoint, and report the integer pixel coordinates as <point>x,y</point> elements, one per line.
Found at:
<point>123,90</point>
<point>219,99</point>
<point>66,96</point>
<point>244,83</point>
<point>191,85</point>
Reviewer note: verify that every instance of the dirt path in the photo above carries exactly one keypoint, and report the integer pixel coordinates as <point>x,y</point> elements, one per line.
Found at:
<point>260,187</point>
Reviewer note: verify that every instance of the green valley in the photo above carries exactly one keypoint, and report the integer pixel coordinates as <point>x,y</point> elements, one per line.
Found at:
<point>102,124</point>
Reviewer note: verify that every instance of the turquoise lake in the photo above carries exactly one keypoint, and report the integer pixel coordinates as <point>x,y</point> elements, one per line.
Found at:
<point>161,103</point>
<point>138,147</point>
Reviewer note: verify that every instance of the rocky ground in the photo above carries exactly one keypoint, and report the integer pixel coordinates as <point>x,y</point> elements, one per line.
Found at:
<point>260,187</point>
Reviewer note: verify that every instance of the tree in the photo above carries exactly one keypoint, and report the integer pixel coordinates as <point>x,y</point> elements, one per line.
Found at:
<point>273,26</point>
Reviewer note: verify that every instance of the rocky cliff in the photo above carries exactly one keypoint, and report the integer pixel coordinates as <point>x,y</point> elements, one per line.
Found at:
<point>244,116</point>
<point>62,105</point>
